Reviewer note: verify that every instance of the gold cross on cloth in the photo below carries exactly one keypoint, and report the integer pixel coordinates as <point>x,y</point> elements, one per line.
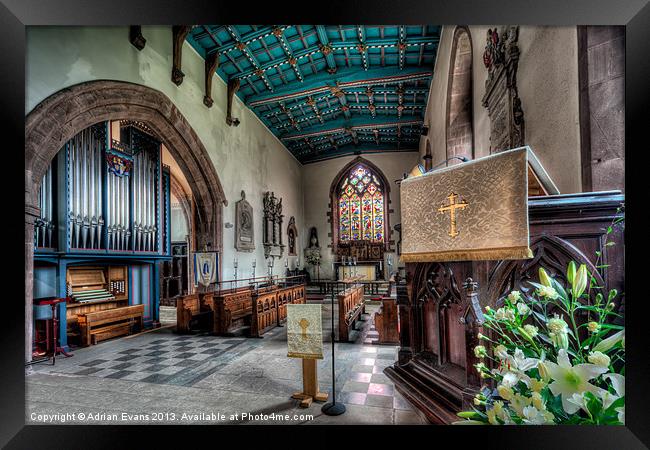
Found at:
<point>451,208</point>
<point>304,323</point>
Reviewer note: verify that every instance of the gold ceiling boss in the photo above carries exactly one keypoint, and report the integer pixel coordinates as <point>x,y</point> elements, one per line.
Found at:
<point>477,210</point>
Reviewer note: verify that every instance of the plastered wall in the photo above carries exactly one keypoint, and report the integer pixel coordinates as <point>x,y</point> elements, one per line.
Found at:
<point>248,157</point>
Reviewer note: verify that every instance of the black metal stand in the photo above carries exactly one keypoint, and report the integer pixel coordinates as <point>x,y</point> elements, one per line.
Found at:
<point>332,408</point>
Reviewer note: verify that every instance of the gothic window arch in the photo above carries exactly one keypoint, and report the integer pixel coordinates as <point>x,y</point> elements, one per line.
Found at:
<point>360,199</point>
<point>459,126</point>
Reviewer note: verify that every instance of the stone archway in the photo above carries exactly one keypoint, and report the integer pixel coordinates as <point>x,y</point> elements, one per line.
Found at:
<point>459,127</point>
<point>59,117</point>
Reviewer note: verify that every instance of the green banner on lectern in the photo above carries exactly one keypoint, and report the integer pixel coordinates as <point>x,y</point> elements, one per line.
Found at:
<point>476,210</point>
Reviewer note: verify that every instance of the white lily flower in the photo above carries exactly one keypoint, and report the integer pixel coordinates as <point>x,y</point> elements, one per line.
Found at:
<point>579,401</point>
<point>520,362</point>
<point>534,416</point>
<point>618,382</point>
<point>608,398</point>
<point>569,380</point>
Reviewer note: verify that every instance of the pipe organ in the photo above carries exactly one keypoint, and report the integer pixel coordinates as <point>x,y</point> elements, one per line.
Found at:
<point>104,203</point>
<point>44,225</point>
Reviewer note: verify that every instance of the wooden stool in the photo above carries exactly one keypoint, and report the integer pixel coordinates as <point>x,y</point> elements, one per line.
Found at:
<point>310,391</point>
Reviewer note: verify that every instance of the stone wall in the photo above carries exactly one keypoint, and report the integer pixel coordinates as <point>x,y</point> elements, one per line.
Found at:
<point>602,106</point>
<point>547,82</point>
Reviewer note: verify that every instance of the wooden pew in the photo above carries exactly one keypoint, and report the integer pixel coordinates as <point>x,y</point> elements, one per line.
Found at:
<point>285,296</point>
<point>298,294</point>
<point>386,322</point>
<point>100,325</point>
<point>265,311</point>
<point>351,306</point>
<point>232,309</point>
<point>191,310</point>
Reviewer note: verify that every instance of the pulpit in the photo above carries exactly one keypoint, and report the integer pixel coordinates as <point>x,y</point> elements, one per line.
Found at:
<point>472,234</point>
<point>438,325</point>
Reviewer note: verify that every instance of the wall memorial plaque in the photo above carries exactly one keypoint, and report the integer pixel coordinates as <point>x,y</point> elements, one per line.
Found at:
<point>244,237</point>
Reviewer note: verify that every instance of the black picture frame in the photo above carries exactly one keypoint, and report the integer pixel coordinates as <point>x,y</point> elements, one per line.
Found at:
<point>15,15</point>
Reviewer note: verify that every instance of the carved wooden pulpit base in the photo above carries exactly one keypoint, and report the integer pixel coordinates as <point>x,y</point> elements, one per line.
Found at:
<point>310,391</point>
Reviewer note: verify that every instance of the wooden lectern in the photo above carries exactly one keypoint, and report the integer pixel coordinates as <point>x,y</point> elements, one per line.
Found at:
<point>310,391</point>
<point>304,340</point>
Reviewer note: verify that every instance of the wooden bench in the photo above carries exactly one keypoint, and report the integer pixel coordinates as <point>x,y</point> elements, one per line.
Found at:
<point>351,306</point>
<point>101,325</point>
<point>386,322</point>
<point>191,312</point>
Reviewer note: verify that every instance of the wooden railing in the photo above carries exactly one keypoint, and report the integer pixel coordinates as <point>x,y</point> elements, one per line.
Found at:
<point>327,287</point>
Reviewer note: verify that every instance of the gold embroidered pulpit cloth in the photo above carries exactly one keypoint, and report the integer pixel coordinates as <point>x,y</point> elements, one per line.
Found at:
<point>477,210</point>
<point>304,331</point>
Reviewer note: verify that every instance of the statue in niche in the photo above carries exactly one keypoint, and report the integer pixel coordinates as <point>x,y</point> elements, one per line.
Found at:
<point>312,253</point>
<point>272,229</point>
<point>292,235</point>
<point>244,238</point>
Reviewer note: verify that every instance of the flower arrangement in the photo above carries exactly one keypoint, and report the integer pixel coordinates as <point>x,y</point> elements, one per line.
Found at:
<point>312,258</point>
<point>547,366</point>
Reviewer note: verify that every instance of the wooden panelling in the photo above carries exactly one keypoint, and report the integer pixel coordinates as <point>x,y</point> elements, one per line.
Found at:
<point>351,306</point>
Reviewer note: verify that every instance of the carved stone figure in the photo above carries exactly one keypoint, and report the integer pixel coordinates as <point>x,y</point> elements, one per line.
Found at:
<point>292,235</point>
<point>244,238</point>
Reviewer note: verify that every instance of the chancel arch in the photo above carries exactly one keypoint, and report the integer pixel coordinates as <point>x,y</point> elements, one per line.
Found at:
<point>459,127</point>
<point>60,117</point>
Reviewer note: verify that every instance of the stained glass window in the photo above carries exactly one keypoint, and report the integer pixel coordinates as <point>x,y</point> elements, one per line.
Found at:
<point>361,206</point>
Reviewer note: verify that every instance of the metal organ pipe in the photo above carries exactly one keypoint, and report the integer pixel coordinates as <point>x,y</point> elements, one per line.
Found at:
<point>84,189</point>
<point>93,212</point>
<point>98,192</point>
<point>77,197</point>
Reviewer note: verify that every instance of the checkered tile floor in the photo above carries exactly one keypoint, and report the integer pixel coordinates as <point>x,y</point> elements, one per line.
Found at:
<point>179,360</point>
<point>242,365</point>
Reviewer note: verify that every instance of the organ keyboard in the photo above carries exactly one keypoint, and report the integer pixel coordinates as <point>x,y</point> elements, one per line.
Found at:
<point>90,284</point>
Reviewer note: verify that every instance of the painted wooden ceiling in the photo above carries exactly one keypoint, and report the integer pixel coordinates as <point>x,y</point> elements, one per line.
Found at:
<point>329,90</point>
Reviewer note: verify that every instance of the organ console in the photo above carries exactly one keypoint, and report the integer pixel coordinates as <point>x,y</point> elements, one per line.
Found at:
<point>104,222</point>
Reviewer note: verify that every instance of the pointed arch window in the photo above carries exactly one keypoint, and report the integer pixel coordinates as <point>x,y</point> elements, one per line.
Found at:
<point>361,206</point>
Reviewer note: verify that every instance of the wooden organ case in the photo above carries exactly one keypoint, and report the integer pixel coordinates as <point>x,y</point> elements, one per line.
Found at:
<point>439,303</point>
<point>104,226</point>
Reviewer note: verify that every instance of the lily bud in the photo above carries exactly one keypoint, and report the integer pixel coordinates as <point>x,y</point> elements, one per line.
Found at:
<point>543,371</point>
<point>571,272</point>
<point>580,281</point>
<point>544,278</point>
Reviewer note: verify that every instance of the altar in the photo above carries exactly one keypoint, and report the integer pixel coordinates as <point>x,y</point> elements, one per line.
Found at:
<point>369,270</point>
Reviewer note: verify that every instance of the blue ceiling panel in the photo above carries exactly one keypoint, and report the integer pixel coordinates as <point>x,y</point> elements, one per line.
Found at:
<point>329,90</point>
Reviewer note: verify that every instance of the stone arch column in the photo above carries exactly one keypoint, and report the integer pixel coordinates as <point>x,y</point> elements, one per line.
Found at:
<point>459,118</point>
<point>61,116</point>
